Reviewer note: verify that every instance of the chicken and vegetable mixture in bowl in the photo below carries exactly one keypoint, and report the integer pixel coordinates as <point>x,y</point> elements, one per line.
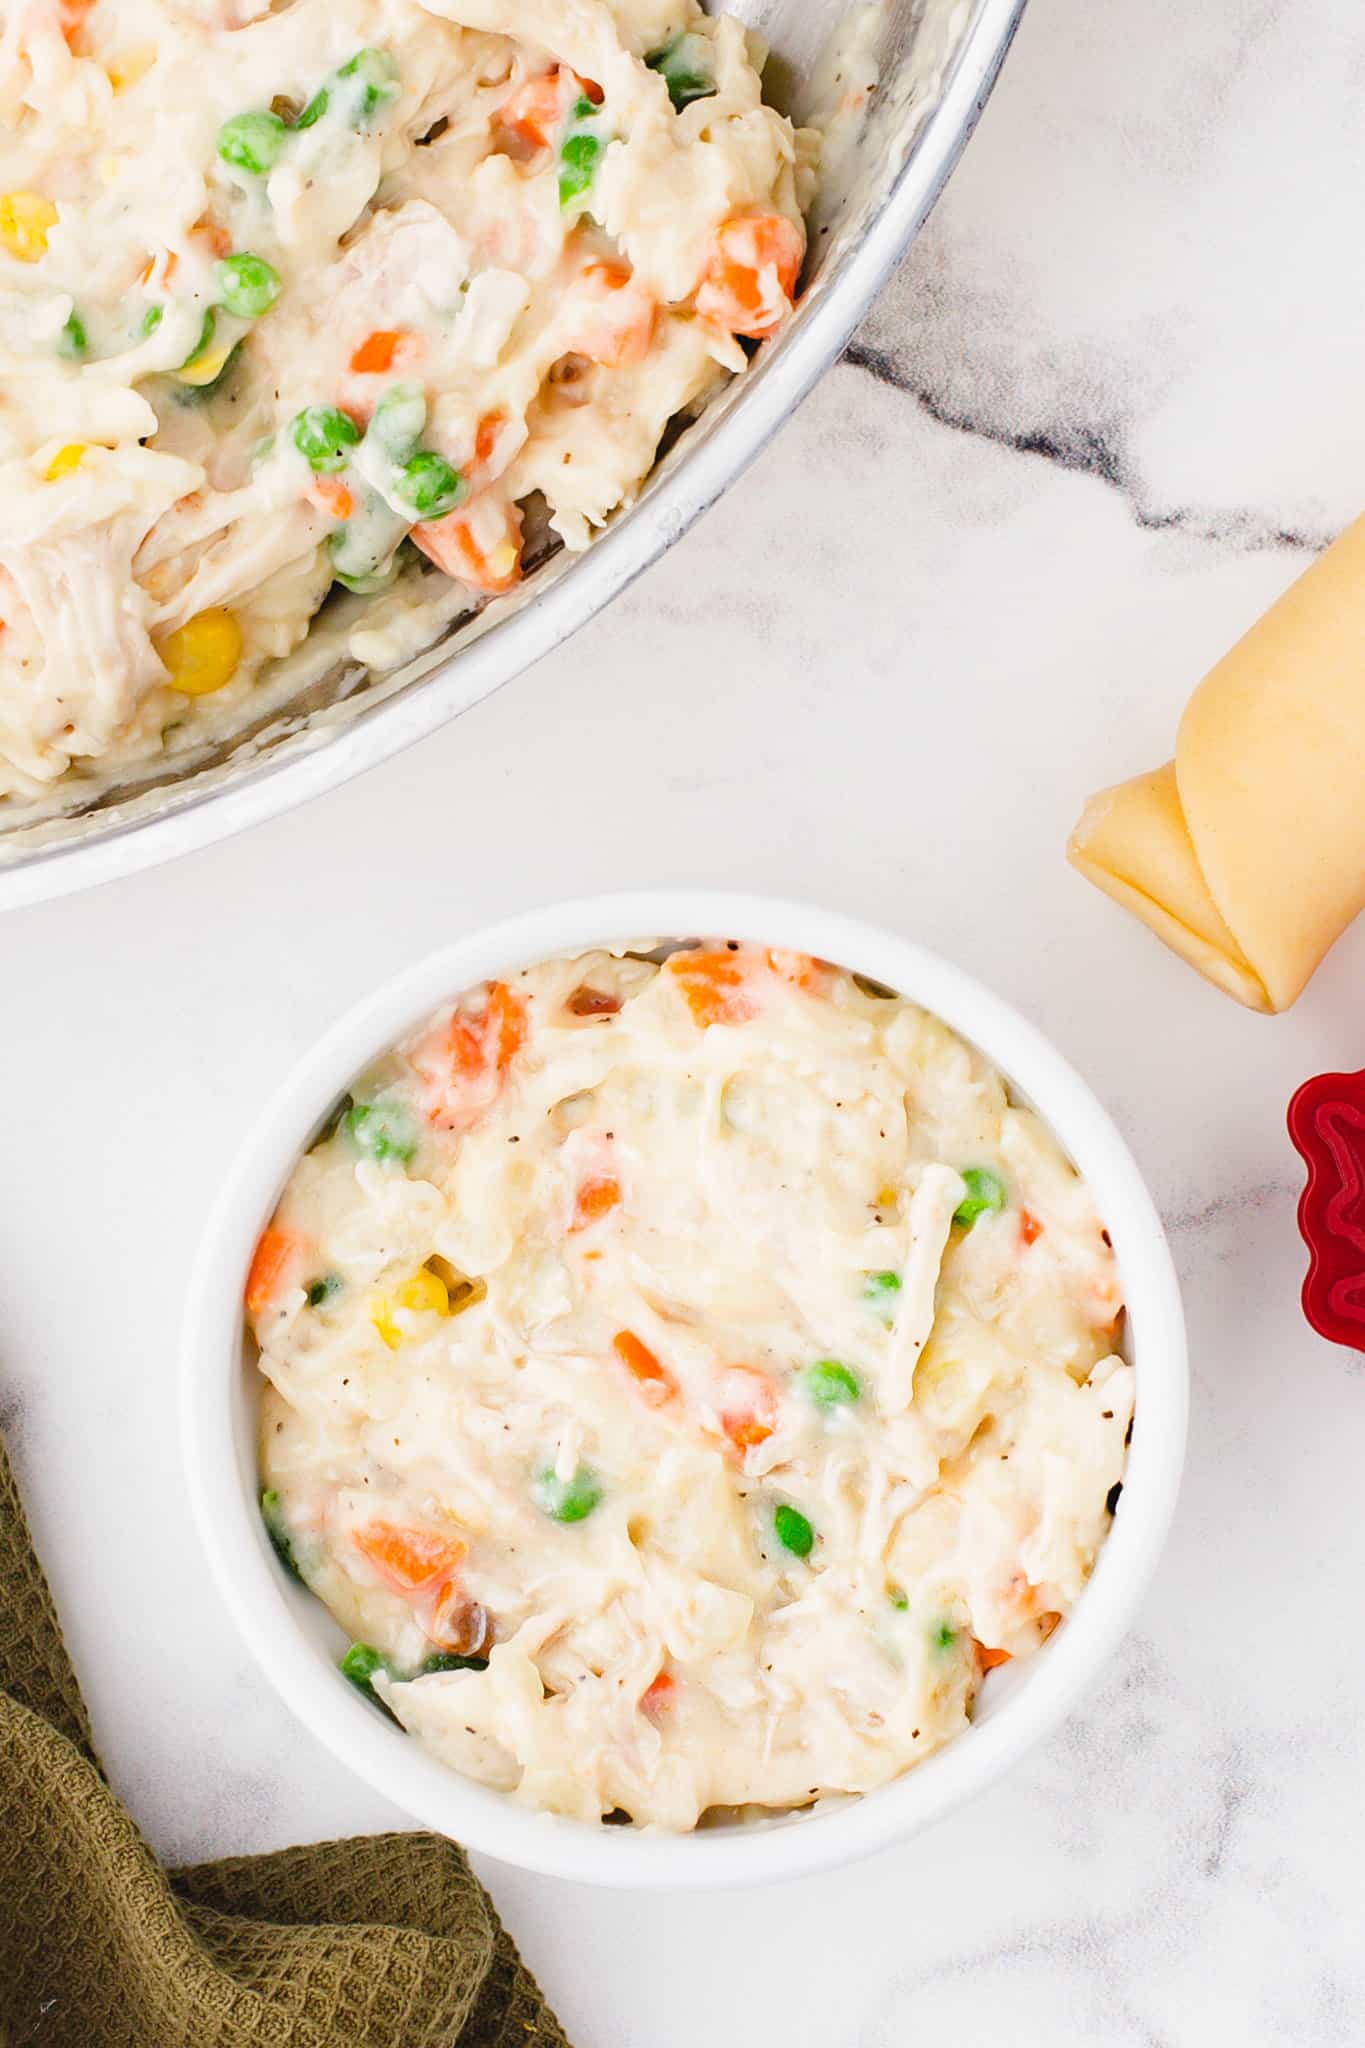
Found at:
<point>340,293</point>
<point>689,1374</point>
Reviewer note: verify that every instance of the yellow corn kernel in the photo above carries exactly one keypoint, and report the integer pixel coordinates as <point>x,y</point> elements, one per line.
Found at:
<point>887,1197</point>
<point>203,654</point>
<point>65,461</point>
<point>25,218</point>
<point>203,369</point>
<point>127,69</point>
<point>379,1309</point>
<point>424,1291</point>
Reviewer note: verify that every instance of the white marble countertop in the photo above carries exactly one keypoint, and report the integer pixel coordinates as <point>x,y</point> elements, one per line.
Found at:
<point>1109,406</point>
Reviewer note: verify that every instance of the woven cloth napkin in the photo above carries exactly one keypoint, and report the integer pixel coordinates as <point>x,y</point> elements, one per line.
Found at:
<point>387,1942</point>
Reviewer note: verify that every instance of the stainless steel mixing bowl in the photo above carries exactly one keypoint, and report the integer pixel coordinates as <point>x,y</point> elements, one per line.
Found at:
<point>936,61</point>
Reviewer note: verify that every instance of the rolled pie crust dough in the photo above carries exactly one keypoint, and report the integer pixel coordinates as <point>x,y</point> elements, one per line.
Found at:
<point>1246,854</point>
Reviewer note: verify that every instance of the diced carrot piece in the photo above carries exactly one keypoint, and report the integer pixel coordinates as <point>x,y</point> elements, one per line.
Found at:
<point>715,986</point>
<point>71,19</point>
<point>802,970</point>
<point>988,1659</point>
<point>1103,1303</point>
<point>750,280</point>
<point>407,1559</point>
<point>492,1037</point>
<point>641,1363</point>
<point>486,435</point>
<point>480,546</point>
<point>169,263</point>
<point>535,110</point>
<point>657,1696</point>
<point>465,1046</point>
<point>596,1198</point>
<point>1030,1229</point>
<point>423,1565</point>
<point>464,1070</point>
<point>214,237</point>
<point>609,315</point>
<point>276,1252</point>
<point>331,495</point>
<point>747,1407</point>
<point>507,1022</point>
<point>379,351</point>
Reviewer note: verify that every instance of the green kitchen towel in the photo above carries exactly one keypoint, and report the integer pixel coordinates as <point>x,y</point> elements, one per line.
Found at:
<point>388,1942</point>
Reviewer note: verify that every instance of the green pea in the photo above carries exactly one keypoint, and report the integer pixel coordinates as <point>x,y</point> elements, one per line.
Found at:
<point>880,1288</point>
<point>369,582</point>
<point>577,166</point>
<point>582,108</point>
<point>72,342</point>
<point>685,67</point>
<point>151,320</point>
<point>315,109</point>
<point>272,1514</point>
<point>372,81</point>
<point>830,1384</point>
<point>399,419</point>
<point>565,1500</point>
<point>247,285</point>
<point>252,142</point>
<point>381,1130</point>
<point>447,1660</point>
<point>944,1635</point>
<point>794,1532</point>
<point>985,1195</point>
<point>428,486</point>
<point>324,437</point>
<point>360,1665</point>
<point>898,1597</point>
<point>202,346</point>
<point>323,1289</point>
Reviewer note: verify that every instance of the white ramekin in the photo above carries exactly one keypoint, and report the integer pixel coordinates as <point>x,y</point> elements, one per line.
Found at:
<point>297,1643</point>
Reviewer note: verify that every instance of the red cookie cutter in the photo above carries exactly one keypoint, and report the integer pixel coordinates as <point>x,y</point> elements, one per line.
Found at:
<point>1327,1124</point>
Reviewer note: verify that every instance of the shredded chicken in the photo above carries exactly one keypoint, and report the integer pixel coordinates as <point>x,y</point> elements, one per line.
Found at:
<point>719,1346</point>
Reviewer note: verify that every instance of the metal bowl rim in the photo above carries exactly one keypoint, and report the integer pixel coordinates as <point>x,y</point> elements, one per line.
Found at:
<point>615,559</point>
